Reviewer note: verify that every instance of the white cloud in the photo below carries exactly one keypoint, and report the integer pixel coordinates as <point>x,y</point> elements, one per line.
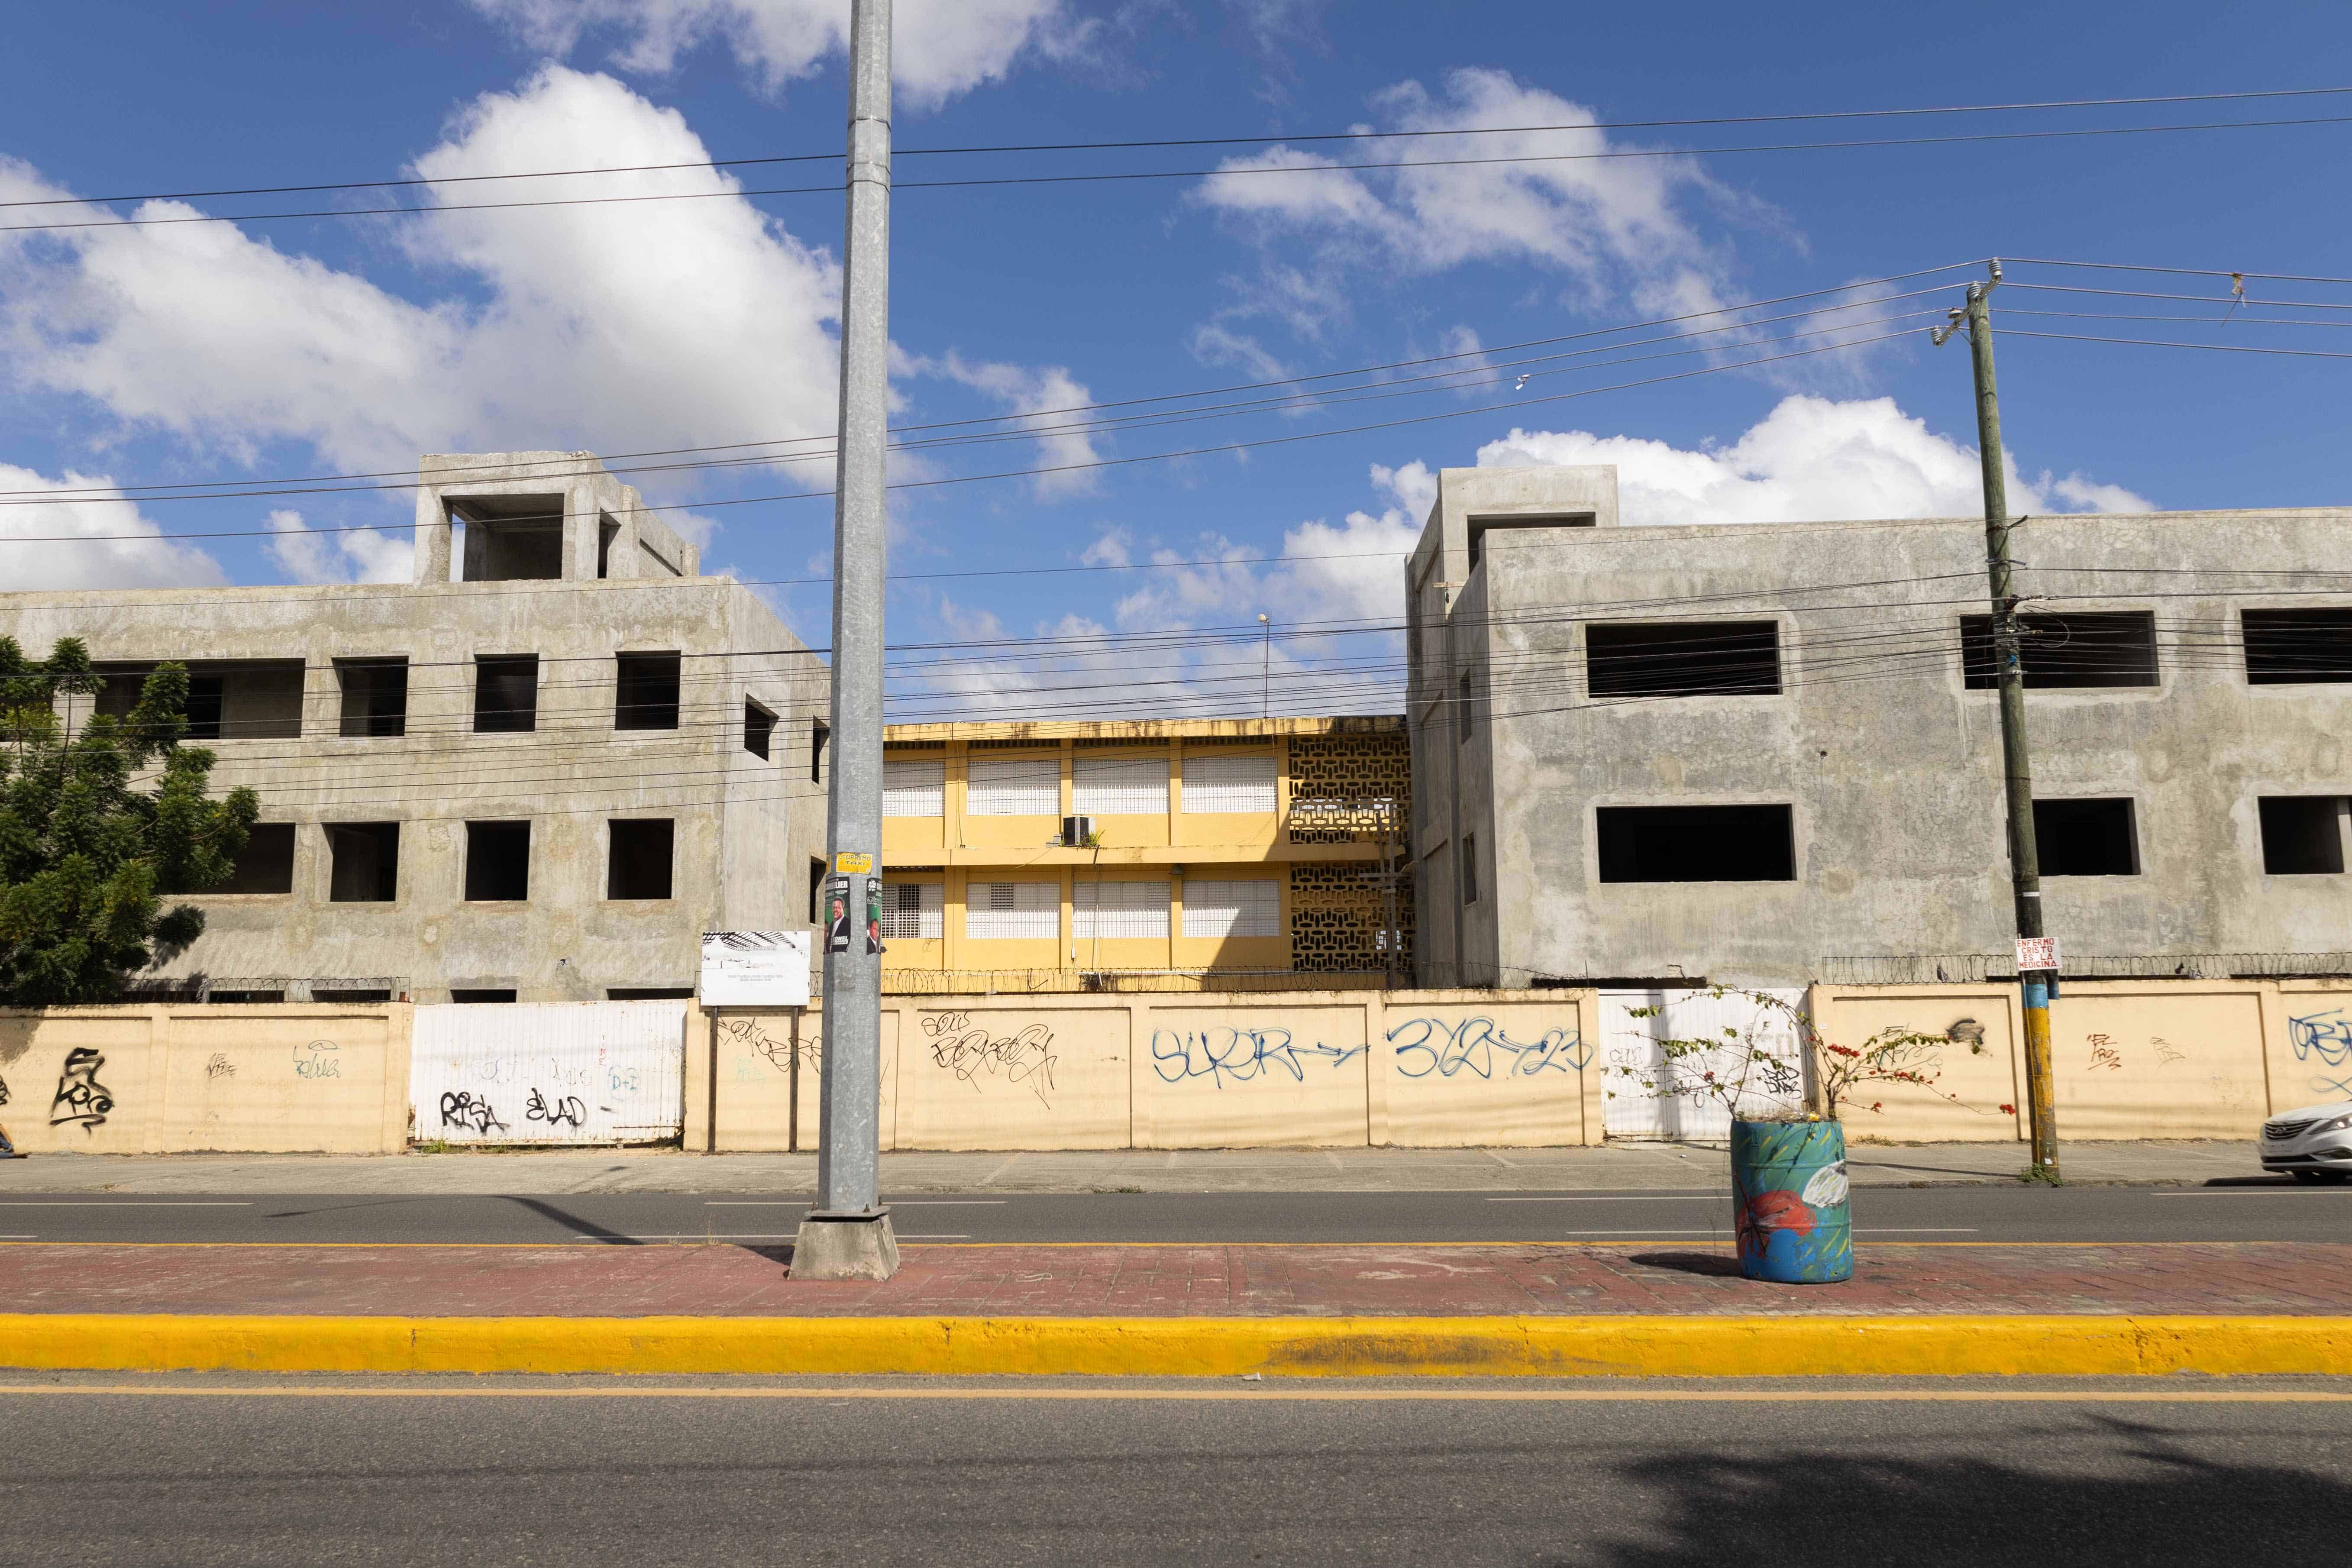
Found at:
<point>1811,459</point>
<point>1043,398</point>
<point>1213,344</point>
<point>1610,226</point>
<point>96,539</point>
<point>591,326</point>
<point>940,49</point>
<point>356,556</point>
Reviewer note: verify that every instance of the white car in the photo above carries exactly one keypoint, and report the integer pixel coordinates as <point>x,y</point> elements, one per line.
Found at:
<point>2314,1144</point>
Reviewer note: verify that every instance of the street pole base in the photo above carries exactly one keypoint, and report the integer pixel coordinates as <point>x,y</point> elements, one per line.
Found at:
<point>846,1247</point>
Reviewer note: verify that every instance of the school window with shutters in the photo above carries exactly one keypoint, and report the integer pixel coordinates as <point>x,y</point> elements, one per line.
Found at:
<point>1148,855</point>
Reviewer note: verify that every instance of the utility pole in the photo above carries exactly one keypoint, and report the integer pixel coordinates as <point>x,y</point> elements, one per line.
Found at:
<point>846,1233</point>
<point>1265,672</point>
<point>2037,985</point>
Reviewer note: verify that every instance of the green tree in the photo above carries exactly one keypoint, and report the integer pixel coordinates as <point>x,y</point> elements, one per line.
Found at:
<point>86,859</point>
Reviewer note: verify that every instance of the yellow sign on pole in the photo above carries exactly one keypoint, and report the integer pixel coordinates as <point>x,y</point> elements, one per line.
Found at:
<point>852,863</point>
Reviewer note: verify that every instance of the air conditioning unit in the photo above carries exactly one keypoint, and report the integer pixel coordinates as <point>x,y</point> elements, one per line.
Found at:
<point>1076,831</point>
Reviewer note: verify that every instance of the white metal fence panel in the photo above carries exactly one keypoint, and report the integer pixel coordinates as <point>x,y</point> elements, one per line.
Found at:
<point>1629,1111</point>
<point>568,1072</point>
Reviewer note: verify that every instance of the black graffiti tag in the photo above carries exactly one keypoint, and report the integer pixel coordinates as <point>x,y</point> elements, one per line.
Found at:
<point>80,1098</point>
<point>567,1111</point>
<point>459,1109</point>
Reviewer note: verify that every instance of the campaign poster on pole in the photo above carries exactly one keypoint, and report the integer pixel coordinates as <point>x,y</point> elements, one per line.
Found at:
<point>755,969</point>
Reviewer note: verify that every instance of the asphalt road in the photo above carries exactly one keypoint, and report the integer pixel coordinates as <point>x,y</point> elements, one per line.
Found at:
<point>1292,1473</point>
<point>2251,1211</point>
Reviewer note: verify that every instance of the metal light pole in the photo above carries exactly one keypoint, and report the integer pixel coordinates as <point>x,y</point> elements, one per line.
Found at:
<point>846,1233</point>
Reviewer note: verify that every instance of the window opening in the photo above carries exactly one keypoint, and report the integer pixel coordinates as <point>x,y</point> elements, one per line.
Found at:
<point>481,994</point>
<point>375,697</point>
<point>2085,838</point>
<point>1469,868</point>
<point>759,729</point>
<point>1218,782</point>
<point>266,864</point>
<point>1012,912</point>
<point>1013,786</point>
<point>1218,908</point>
<point>1119,911</point>
<point>913,912</point>
<point>364,862</point>
<point>608,530</point>
<point>506,693</point>
<point>819,734</point>
<point>228,700</point>
<point>645,693</point>
<point>1120,786</point>
<point>498,862</point>
<point>2287,648</point>
<point>1468,692</point>
<point>509,539</point>
<point>816,892</point>
<point>2302,835</point>
<point>1480,527</point>
<point>1682,658</point>
<point>914,786</point>
<point>638,859</point>
<point>2064,652</point>
<point>649,993</point>
<point>351,994</point>
<point>1695,843</point>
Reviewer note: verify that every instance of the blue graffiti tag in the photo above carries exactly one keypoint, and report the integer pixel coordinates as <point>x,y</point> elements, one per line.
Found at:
<point>1472,1043</point>
<point>2328,1036</point>
<point>2323,1084</point>
<point>1241,1055</point>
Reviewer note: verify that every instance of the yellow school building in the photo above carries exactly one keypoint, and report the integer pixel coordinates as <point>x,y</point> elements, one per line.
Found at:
<point>1148,855</point>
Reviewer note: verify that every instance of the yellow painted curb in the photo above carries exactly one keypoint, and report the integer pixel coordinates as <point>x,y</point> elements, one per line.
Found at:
<point>2055,1346</point>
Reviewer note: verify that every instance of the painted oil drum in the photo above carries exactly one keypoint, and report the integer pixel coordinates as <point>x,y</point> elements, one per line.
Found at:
<point>1789,1186</point>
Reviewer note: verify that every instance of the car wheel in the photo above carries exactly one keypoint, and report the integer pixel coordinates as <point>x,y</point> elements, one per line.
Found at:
<point>2330,1177</point>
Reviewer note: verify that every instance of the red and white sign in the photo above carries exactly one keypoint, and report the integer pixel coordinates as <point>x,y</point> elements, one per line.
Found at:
<point>2036,953</point>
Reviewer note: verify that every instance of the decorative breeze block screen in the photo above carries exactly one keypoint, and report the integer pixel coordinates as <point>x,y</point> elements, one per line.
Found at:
<point>1115,786</point>
<point>1221,784</point>
<point>1013,786</point>
<point>913,912</point>
<point>1013,910</point>
<point>1117,909</point>
<point>1252,907</point>
<point>914,786</point>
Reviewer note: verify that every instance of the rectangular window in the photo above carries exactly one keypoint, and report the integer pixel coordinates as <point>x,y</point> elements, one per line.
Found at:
<point>1466,694</point>
<point>1221,908</point>
<point>637,857</point>
<point>914,786</point>
<point>1117,910</point>
<point>365,862</point>
<point>207,697</point>
<point>350,993</point>
<point>2085,838</point>
<point>759,729</point>
<point>646,695</point>
<point>608,530</point>
<point>2302,835</point>
<point>375,698</point>
<point>2298,646</point>
<point>498,862</point>
<point>1214,781</point>
<point>266,864</point>
<point>1120,786</point>
<point>820,733</point>
<point>1695,843</point>
<point>913,912</point>
<point>228,700</point>
<point>509,539</point>
<point>481,994</point>
<point>816,892</point>
<point>649,993</point>
<point>1682,658</point>
<point>2064,652</point>
<point>1013,786</point>
<point>1469,868</point>
<point>506,693</point>
<point>994,912</point>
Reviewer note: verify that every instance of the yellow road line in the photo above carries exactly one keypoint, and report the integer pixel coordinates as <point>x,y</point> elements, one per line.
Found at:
<point>1807,1346</point>
<point>1257,1392</point>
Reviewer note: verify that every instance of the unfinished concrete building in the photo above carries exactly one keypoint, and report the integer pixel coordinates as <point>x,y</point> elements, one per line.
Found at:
<point>539,772</point>
<point>1772,753</point>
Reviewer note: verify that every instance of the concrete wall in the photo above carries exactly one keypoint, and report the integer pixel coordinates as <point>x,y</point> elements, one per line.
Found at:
<point>1891,767</point>
<point>166,1080</point>
<point>1174,1071</point>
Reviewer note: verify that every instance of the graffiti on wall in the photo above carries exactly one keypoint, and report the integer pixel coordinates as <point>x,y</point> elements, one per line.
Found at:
<point>754,1034</point>
<point>2324,1040</point>
<point>81,1100</point>
<point>460,1109</point>
<point>567,1111</point>
<point>972,1053</point>
<point>317,1059</point>
<point>1226,1054</point>
<point>217,1065</point>
<point>1475,1046</point>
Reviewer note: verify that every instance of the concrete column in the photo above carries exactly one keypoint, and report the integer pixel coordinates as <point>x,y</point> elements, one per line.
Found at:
<point>581,525</point>
<point>432,536</point>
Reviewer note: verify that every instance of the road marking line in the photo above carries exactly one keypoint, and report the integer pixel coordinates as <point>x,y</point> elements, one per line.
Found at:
<point>1259,1393</point>
<point>124,1204</point>
<point>1666,1198</point>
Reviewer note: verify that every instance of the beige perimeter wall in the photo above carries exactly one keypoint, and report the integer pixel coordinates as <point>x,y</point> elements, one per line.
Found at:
<point>1429,1069</point>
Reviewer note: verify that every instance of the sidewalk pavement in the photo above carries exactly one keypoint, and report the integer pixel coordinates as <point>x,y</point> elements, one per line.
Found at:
<point>1178,1309</point>
<point>1616,1166</point>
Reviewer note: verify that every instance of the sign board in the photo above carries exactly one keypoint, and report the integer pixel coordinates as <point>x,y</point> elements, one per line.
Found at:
<point>2036,953</point>
<point>755,969</point>
<point>852,863</point>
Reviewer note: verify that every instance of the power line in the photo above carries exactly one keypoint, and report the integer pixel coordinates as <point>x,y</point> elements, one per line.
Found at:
<point>1205,141</point>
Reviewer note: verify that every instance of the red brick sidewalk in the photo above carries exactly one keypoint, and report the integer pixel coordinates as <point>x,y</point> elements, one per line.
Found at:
<point>2200,1277</point>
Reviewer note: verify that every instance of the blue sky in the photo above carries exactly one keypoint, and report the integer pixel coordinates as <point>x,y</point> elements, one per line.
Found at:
<point>275,349</point>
